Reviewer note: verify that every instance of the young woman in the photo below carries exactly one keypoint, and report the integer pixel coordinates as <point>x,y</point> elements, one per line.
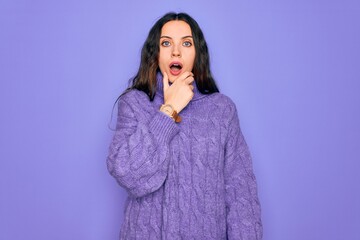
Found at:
<point>178,149</point>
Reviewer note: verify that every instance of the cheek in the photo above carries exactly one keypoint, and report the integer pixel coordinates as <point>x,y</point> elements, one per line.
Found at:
<point>191,60</point>
<point>162,58</point>
<point>161,61</point>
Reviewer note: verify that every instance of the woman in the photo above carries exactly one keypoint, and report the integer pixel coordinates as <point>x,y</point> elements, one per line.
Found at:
<point>178,149</point>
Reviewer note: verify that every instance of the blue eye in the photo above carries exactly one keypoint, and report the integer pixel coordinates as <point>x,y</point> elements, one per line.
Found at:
<point>165,43</point>
<point>187,44</point>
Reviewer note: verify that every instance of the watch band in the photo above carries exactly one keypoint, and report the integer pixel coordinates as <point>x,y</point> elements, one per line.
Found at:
<point>171,112</point>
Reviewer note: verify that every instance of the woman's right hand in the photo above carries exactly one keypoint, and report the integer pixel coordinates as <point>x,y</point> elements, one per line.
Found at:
<point>180,93</point>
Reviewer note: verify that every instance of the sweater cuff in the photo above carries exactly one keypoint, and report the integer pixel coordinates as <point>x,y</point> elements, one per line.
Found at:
<point>163,127</point>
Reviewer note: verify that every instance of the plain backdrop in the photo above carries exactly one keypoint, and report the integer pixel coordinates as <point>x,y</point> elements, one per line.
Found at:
<point>291,67</point>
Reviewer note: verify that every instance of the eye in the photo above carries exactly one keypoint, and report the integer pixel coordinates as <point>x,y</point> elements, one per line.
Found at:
<point>187,44</point>
<point>165,43</point>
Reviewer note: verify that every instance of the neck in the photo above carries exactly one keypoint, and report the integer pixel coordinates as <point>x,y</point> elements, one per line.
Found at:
<point>160,89</point>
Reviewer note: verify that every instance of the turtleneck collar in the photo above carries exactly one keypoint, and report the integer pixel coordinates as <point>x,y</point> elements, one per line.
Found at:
<point>160,90</point>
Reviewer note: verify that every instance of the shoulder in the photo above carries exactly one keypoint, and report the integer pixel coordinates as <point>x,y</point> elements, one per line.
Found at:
<point>134,96</point>
<point>224,110</point>
<point>224,103</point>
<point>137,102</point>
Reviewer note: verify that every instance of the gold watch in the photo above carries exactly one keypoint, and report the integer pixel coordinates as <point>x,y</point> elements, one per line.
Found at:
<point>171,112</point>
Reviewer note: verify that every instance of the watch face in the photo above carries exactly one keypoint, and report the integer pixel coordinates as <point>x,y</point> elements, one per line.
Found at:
<point>167,109</point>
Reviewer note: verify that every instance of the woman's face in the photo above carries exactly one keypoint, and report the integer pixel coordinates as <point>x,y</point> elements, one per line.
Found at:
<point>177,50</point>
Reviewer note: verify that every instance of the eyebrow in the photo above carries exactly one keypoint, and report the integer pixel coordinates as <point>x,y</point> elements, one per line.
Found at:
<point>189,36</point>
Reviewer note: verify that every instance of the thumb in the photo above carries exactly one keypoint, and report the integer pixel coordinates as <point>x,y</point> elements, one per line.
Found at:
<point>165,81</point>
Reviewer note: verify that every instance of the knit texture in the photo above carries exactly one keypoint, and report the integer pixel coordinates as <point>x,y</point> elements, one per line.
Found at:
<point>187,180</point>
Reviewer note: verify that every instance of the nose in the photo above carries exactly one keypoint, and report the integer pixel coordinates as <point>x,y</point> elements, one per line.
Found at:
<point>176,52</point>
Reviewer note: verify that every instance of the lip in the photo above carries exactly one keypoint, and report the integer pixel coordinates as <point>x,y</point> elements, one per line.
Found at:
<point>176,62</point>
<point>175,72</point>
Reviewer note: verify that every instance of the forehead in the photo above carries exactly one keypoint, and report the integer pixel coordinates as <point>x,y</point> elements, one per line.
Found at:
<point>176,28</point>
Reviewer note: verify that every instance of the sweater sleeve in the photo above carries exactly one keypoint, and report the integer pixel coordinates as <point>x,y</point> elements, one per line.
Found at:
<point>242,204</point>
<point>139,151</point>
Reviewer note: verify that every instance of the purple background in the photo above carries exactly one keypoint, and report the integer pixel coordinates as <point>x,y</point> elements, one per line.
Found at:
<point>292,68</point>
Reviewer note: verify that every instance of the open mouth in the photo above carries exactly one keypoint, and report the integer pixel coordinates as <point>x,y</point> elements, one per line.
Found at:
<point>175,68</point>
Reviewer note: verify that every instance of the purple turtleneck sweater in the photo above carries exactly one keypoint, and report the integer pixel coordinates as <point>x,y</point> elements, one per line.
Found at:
<point>187,180</point>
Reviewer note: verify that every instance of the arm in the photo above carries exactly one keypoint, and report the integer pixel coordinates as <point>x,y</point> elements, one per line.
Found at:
<point>139,152</point>
<point>242,203</point>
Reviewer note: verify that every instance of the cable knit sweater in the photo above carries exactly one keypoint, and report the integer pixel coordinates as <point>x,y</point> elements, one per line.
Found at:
<point>187,180</point>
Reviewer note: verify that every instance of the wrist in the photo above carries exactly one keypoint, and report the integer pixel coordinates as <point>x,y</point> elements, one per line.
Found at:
<point>169,110</point>
<point>167,114</point>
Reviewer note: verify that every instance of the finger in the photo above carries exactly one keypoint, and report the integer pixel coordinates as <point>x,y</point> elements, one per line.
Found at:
<point>185,75</point>
<point>189,74</point>
<point>165,81</point>
<point>189,80</point>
